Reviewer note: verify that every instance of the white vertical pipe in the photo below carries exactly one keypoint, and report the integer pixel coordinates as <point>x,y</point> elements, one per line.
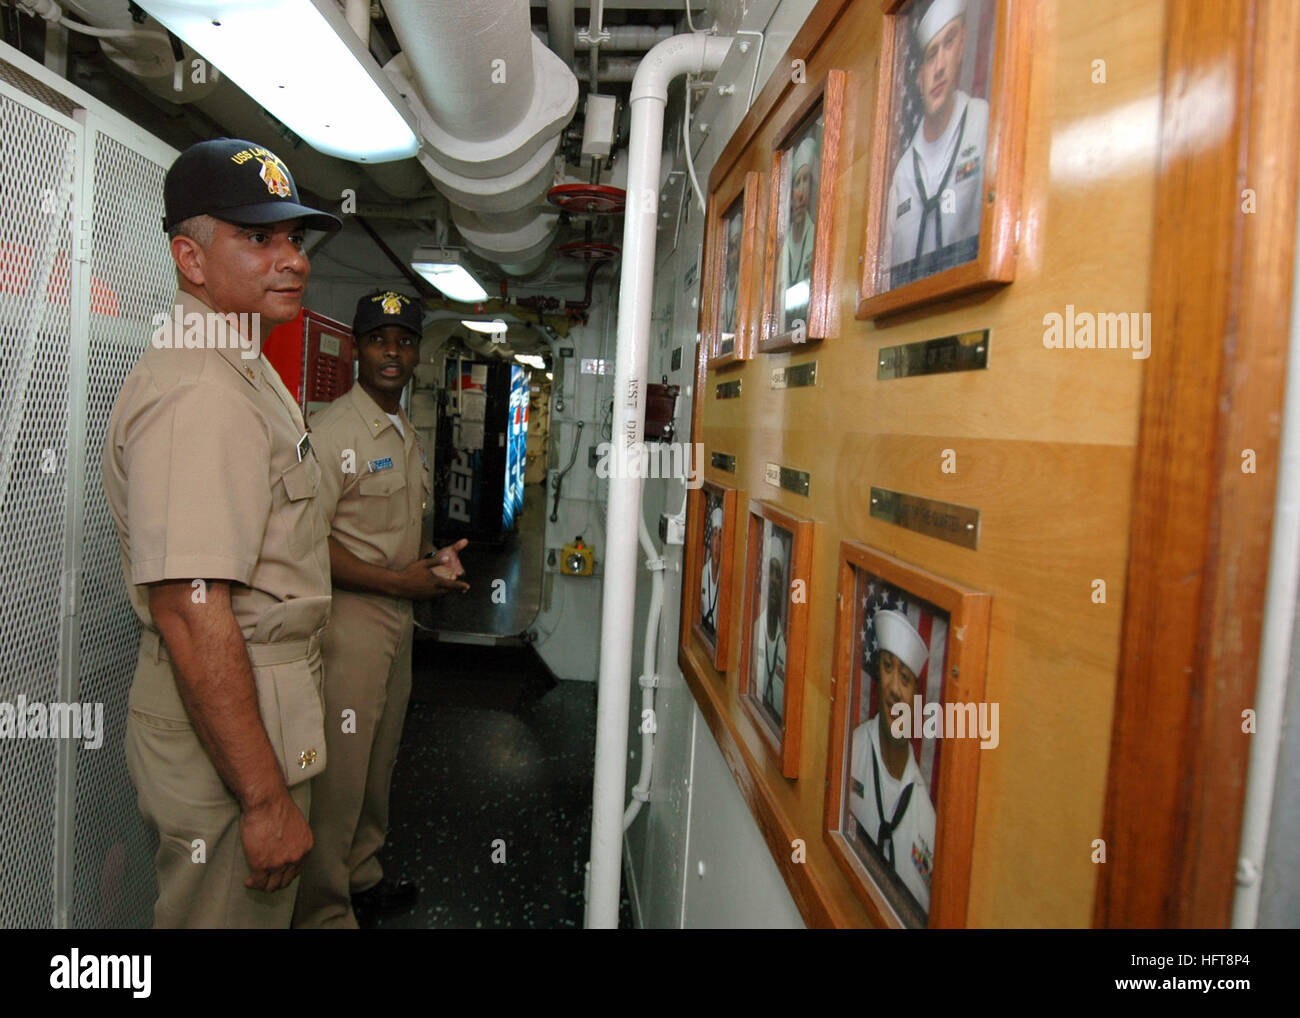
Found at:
<point>1275,642</point>
<point>560,29</point>
<point>678,55</point>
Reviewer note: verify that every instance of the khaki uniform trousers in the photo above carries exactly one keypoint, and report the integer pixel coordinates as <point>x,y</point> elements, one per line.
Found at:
<point>367,649</point>
<point>184,799</point>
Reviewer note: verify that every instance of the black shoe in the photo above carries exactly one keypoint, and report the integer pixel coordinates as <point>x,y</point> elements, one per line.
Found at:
<point>386,898</point>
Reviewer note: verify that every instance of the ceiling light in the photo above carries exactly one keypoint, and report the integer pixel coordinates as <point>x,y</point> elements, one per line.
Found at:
<point>531,359</point>
<point>299,60</point>
<point>444,270</point>
<point>497,326</point>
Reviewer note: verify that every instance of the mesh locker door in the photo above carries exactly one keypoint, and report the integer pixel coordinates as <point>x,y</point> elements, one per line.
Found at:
<point>37,181</point>
<point>131,280</point>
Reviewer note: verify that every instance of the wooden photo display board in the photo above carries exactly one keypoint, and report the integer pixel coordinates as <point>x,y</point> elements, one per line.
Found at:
<point>774,628</point>
<point>799,282</point>
<point>944,193</point>
<point>908,720</point>
<point>713,542</point>
<point>733,246</point>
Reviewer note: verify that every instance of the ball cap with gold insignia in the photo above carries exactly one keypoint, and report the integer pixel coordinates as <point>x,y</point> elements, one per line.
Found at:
<point>387,307</point>
<point>238,181</point>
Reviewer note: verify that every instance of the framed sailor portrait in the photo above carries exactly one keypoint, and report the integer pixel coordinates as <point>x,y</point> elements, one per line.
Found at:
<point>797,282</point>
<point>908,724</point>
<point>944,188</point>
<point>732,242</point>
<point>713,536</point>
<point>774,628</point>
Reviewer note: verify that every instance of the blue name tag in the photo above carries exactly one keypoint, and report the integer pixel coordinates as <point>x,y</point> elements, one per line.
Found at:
<point>384,464</point>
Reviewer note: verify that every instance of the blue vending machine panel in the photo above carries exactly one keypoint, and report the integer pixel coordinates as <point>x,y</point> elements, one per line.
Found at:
<point>516,446</point>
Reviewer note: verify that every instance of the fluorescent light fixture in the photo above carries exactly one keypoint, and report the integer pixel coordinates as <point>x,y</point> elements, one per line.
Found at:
<point>531,359</point>
<point>495,326</point>
<point>550,375</point>
<point>444,270</point>
<point>305,66</point>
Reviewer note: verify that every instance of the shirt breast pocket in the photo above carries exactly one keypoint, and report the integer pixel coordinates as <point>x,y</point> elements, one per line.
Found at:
<point>384,495</point>
<point>301,482</point>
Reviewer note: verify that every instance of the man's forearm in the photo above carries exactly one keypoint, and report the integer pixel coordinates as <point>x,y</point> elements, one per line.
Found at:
<point>351,573</point>
<point>215,681</point>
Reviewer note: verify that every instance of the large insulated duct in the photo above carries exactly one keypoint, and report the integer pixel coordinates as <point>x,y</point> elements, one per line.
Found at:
<point>491,102</point>
<point>681,54</point>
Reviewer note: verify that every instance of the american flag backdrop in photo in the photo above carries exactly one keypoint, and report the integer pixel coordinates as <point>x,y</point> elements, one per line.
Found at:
<point>907,110</point>
<point>932,624</point>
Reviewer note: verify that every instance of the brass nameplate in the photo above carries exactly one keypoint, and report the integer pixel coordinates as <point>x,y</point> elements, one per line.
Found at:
<point>723,461</point>
<point>955,523</point>
<point>787,478</point>
<point>796,376</point>
<point>968,351</point>
<point>729,390</point>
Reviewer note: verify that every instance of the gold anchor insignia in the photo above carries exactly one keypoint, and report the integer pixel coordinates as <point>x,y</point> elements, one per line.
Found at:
<point>307,756</point>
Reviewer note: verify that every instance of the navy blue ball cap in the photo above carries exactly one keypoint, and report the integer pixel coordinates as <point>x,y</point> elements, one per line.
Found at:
<point>238,181</point>
<point>387,307</point>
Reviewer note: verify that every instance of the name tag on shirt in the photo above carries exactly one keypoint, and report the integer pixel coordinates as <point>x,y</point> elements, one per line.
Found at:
<point>384,464</point>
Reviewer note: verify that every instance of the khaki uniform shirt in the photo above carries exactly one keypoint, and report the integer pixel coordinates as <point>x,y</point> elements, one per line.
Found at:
<point>374,483</point>
<point>207,478</point>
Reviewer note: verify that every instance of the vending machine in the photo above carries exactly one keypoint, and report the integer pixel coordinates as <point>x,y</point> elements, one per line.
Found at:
<point>481,449</point>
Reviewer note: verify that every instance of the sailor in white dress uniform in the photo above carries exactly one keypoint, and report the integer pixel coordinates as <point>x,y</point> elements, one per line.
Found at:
<point>769,643</point>
<point>933,212</point>
<point>888,797</point>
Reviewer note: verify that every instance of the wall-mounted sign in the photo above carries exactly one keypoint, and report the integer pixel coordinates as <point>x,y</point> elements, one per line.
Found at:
<point>795,376</point>
<point>968,351</point>
<point>955,523</point>
<point>728,390</point>
<point>787,478</point>
<point>723,461</point>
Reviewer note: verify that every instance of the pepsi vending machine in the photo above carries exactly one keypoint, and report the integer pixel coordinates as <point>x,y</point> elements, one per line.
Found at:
<point>480,455</point>
<point>516,445</point>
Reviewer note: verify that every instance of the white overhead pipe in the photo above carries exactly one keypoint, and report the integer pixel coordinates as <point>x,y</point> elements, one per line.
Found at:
<point>560,29</point>
<point>358,14</point>
<point>679,55</point>
<point>631,37</point>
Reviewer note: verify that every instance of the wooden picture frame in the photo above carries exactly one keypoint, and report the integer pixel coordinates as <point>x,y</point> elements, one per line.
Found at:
<point>732,215</point>
<point>820,118</point>
<point>777,714</point>
<point>713,500</point>
<point>893,623</point>
<point>975,184</point>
